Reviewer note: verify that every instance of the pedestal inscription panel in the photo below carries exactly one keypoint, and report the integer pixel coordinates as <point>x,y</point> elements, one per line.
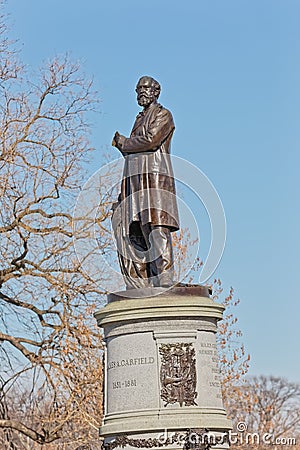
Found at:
<point>131,372</point>
<point>209,385</point>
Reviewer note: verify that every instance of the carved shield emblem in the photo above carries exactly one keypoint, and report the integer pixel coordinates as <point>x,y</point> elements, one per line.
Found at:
<point>178,374</point>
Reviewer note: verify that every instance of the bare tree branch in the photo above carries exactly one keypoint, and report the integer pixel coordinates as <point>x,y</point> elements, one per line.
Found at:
<point>37,437</point>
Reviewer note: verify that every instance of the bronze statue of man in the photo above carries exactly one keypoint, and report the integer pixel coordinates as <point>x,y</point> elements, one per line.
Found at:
<point>147,199</point>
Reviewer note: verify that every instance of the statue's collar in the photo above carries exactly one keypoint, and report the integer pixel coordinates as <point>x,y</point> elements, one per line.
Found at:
<point>145,111</point>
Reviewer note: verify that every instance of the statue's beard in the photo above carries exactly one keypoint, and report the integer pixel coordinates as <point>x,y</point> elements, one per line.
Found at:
<point>145,100</point>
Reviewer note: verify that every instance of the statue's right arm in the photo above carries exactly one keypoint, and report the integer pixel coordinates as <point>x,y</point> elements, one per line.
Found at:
<point>157,132</point>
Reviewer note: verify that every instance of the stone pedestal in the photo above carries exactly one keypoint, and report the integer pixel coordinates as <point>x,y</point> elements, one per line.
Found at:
<point>161,368</point>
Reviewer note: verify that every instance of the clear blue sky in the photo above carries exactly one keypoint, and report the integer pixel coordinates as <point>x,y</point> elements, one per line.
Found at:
<point>230,73</point>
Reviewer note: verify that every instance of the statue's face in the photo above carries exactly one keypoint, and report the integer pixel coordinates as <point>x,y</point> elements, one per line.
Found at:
<point>145,92</point>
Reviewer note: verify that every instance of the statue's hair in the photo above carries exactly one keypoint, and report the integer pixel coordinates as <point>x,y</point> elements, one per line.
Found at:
<point>156,86</point>
<point>154,83</point>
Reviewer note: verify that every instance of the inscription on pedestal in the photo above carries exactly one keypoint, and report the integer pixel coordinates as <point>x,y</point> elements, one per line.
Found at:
<point>130,362</point>
<point>131,373</point>
<point>122,384</point>
<point>208,363</point>
<point>123,363</point>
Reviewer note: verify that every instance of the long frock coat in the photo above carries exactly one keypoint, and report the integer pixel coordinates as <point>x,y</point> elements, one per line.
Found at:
<point>148,183</point>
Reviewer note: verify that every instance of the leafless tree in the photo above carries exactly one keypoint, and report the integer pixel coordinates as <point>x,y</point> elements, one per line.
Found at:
<point>49,346</point>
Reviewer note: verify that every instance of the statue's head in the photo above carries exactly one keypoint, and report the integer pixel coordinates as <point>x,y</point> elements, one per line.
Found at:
<point>148,90</point>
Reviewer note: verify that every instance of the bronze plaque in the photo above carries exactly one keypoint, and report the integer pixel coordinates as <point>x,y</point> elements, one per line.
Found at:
<point>178,374</point>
